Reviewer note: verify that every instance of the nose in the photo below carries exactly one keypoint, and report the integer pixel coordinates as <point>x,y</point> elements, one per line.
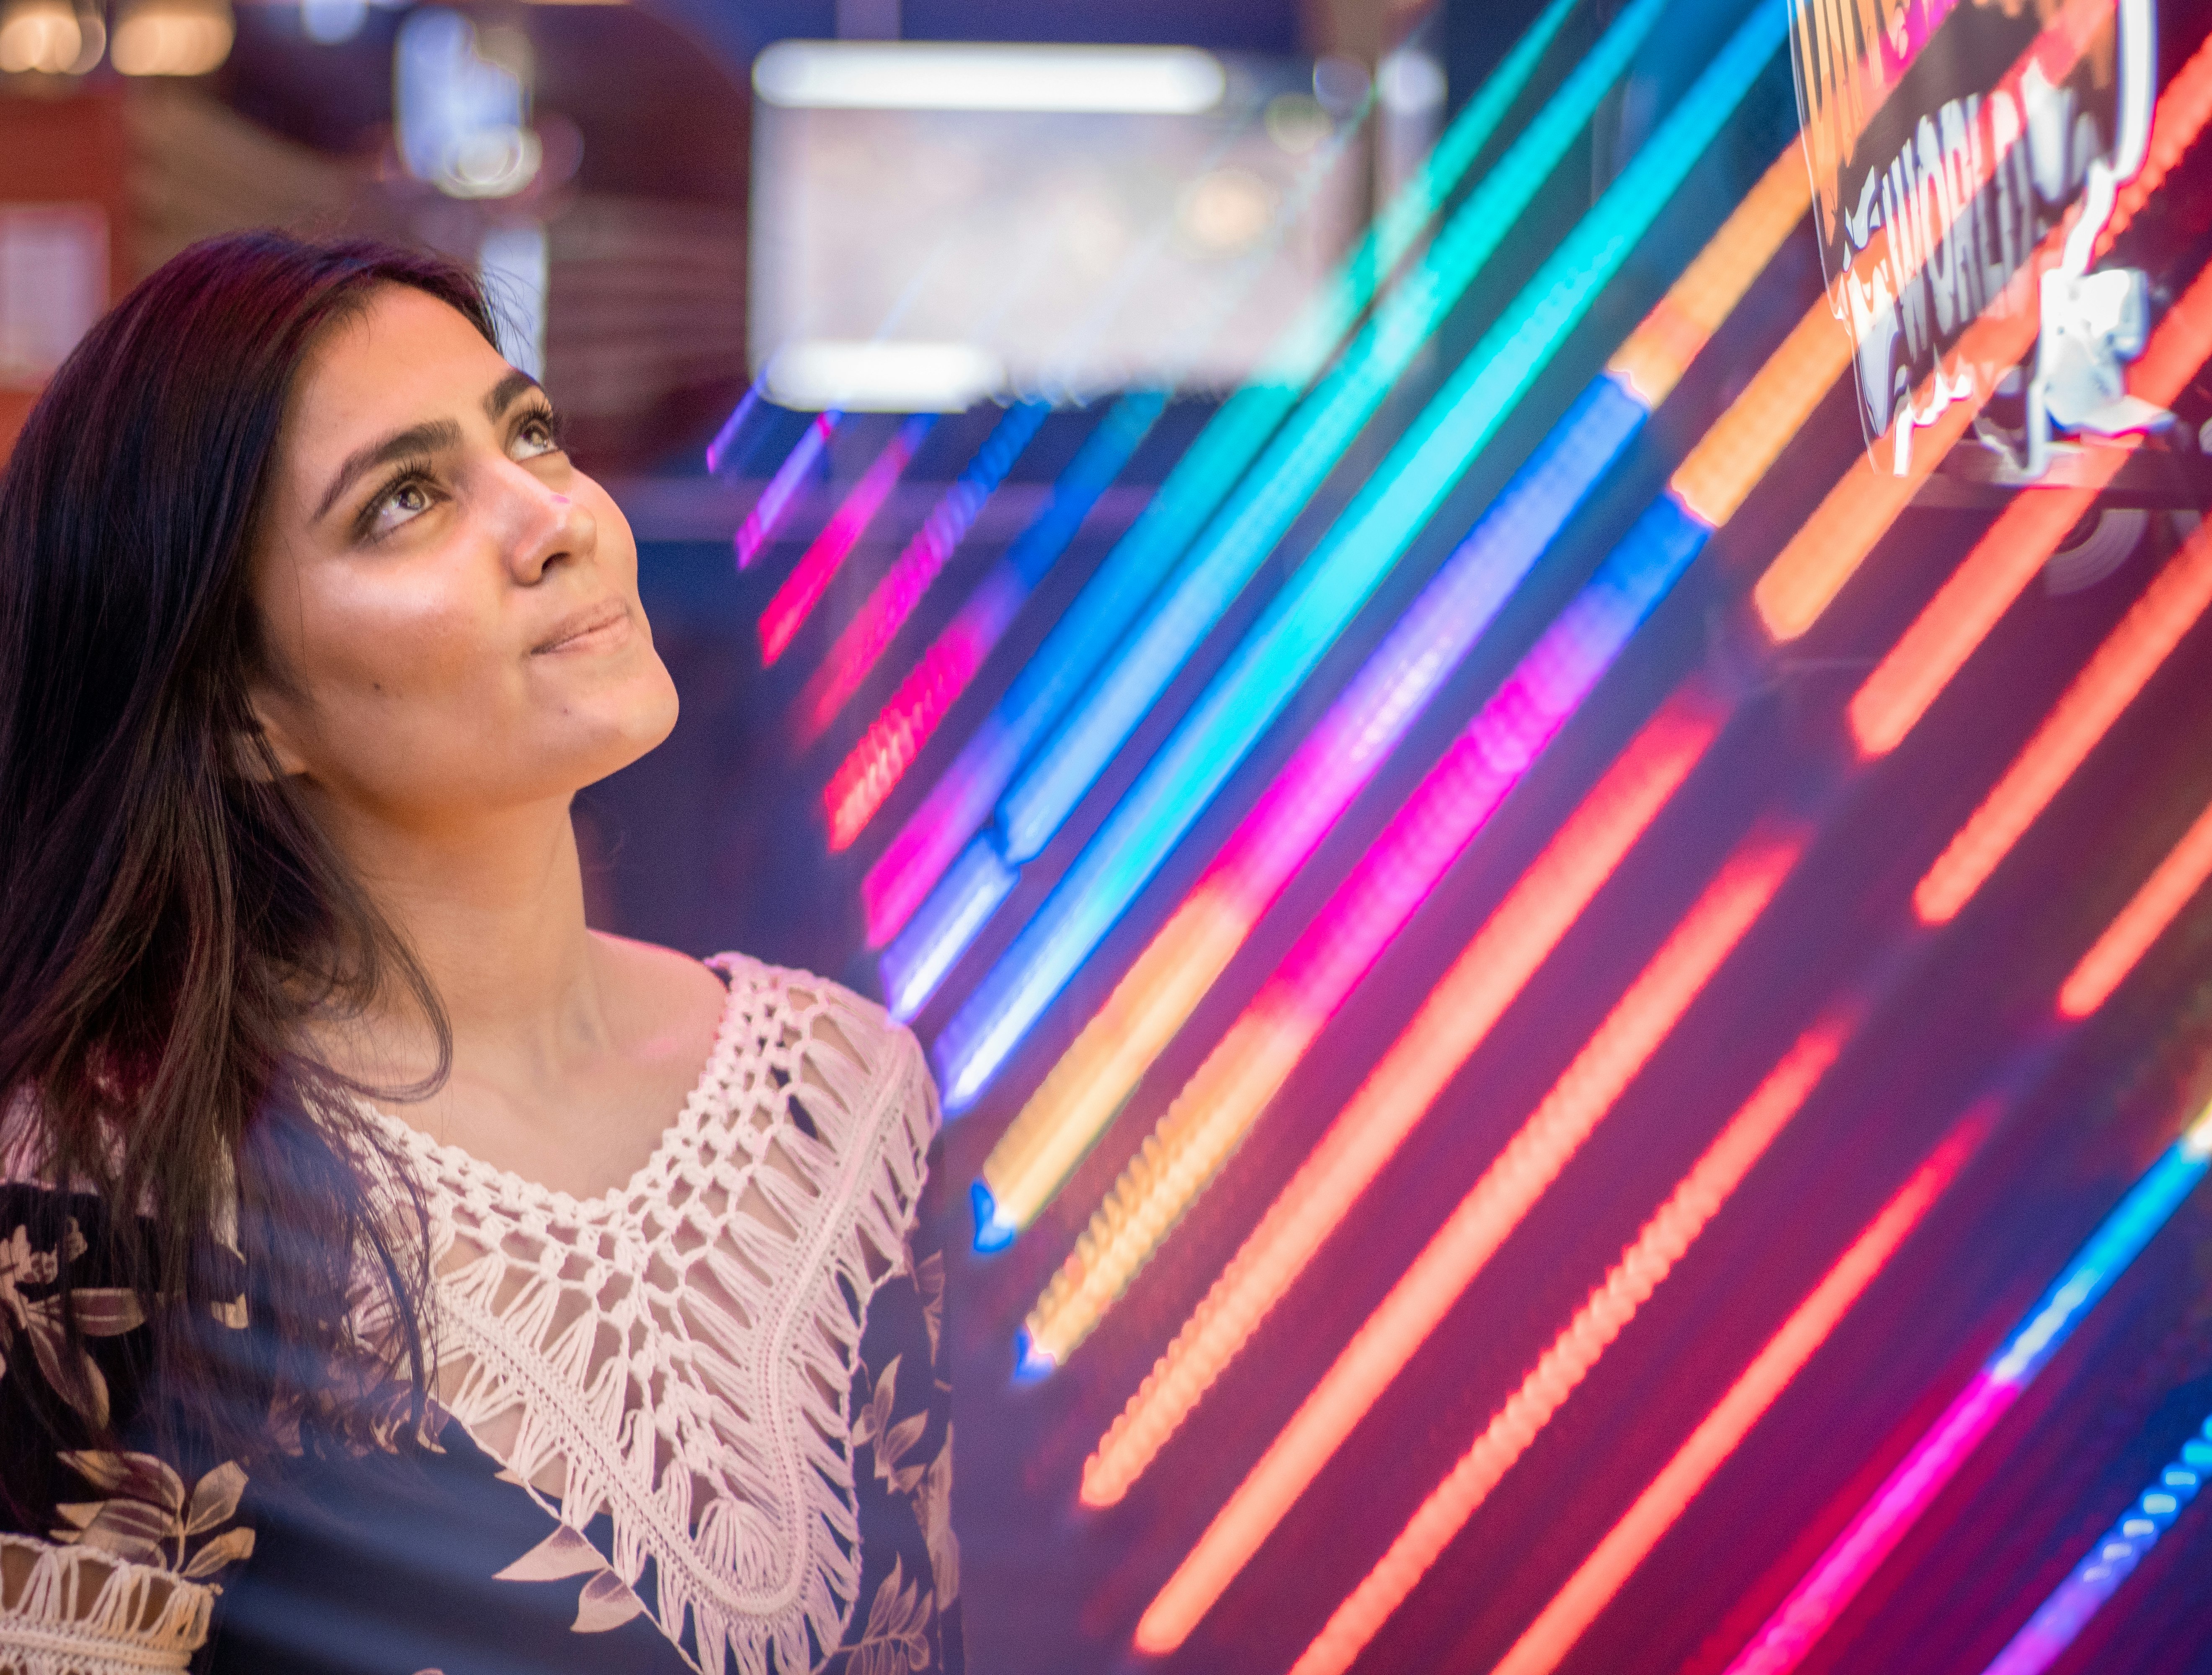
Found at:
<point>542,527</point>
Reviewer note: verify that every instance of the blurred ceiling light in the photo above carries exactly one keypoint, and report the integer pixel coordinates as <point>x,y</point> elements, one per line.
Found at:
<point>1226,210</point>
<point>1340,84</point>
<point>41,35</point>
<point>935,75</point>
<point>1409,82</point>
<point>1297,122</point>
<point>173,38</point>
<point>883,377</point>
<point>92,32</point>
<point>463,111</point>
<point>332,21</point>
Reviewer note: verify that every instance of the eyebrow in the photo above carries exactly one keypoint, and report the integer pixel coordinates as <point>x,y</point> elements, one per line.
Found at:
<point>418,438</point>
<point>504,393</point>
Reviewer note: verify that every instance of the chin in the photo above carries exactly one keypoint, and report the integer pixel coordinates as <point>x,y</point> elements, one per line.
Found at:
<point>632,720</point>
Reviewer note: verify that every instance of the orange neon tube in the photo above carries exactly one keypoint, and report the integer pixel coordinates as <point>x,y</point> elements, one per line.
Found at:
<point>1585,1092</point>
<point>1829,546</point>
<point>2147,914</point>
<point>1459,1013</point>
<point>1628,1284</point>
<point>2130,654</point>
<point>1967,606</point>
<point>1591,1588</point>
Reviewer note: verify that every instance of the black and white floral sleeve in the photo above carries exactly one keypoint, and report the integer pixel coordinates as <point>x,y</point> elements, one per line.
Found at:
<point>907,1619</point>
<point>111,1556</point>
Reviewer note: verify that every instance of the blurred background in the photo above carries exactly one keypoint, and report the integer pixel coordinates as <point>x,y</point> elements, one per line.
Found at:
<point>1553,868</point>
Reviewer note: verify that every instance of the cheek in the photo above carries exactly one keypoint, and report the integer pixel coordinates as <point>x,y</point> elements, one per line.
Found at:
<point>405,652</point>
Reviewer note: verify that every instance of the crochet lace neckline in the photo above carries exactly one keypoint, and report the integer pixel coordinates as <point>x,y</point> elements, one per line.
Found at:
<point>681,1128</point>
<point>677,1353</point>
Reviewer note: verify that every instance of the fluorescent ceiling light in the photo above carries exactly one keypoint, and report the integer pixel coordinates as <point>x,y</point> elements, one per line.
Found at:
<point>935,75</point>
<point>883,377</point>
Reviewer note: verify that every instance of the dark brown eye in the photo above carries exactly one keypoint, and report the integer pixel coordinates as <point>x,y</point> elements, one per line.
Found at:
<point>537,434</point>
<point>404,500</point>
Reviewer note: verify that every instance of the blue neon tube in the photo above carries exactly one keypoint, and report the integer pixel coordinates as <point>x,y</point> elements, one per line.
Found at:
<point>1935,1460</point>
<point>2110,1562</point>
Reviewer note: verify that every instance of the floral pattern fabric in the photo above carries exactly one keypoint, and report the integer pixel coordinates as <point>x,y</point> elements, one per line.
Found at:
<point>902,1439</point>
<point>436,1561</point>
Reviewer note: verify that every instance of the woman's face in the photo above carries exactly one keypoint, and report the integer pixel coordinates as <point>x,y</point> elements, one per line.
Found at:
<point>452,605</point>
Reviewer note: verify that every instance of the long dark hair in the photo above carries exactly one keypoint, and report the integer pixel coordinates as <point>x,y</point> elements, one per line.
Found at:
<point>170,918</point>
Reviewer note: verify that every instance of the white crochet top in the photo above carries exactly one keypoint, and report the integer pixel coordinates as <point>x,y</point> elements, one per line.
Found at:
<point>674,1355</point>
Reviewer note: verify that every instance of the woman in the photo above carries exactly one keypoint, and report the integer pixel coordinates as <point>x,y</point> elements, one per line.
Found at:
<point>385,1285</point>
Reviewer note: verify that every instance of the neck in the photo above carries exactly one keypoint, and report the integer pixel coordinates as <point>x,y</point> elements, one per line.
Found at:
<point>492,908</point>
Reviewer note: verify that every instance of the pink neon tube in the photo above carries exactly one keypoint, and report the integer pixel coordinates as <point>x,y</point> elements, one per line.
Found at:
<point>803,588</point>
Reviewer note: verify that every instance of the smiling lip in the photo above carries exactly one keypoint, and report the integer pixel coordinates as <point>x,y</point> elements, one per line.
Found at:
<point>588,630</point>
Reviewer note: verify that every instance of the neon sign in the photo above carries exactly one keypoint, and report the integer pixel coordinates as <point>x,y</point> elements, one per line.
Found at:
<point>1945,139</point>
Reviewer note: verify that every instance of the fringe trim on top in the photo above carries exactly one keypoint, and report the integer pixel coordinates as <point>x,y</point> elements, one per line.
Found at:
<point>81,1612</point>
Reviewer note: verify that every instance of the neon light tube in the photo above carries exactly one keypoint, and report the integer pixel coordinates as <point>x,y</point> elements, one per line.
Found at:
<point>1282,648</point>
<point>1853,1556</point>
<point>979,881</point>
<point>1628,1284</point>
<point>893,599</point>
<point>2109,1564</point>
<point>1457,1016</point>
<point>1600,1576</point>
<point>1193,490</point>
<point>1967,606</point>
<point>726,438</point>
<point>1437,448</point>
<point>761,522</point>
<point>878,762</point>
<point>1067,1114</point>
<point>803,588</point>
<point>2129,655</point>
<point>1584,1093</point>
<point>2147,914</point>
<point>910,716</point>
<point>1651,363</point>
<point>1827,549</point>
